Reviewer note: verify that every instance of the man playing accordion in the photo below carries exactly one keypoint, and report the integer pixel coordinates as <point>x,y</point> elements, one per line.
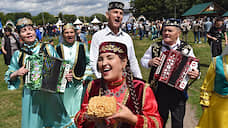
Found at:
<point>169,98</point>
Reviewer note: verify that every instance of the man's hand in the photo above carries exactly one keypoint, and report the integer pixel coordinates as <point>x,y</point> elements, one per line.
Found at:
<point>156,61</point>
<point>193,74</point>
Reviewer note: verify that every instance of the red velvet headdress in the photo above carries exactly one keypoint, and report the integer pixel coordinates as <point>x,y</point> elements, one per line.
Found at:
<point>113,47</point>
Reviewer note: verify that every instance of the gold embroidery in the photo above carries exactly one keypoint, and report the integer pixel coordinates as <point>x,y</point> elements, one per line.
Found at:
<point>62,51</point>
<point>112,47</point>
<point>75,62</point>
<point>144,94</point>
<point>89,86</point>
<point>48,51</point>
<point>145,122</point>
<point>155,121</point>
<point>76,118</point>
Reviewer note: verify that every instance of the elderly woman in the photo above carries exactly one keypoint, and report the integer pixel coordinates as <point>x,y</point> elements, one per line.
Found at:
<point>77,53</point>
<point>137,106</point>
<point>39,109</point>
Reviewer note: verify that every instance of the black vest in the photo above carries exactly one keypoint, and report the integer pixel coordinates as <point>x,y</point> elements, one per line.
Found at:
<point>79,66</point>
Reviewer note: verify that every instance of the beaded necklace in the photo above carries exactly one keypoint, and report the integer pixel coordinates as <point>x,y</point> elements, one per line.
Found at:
<point>117,83</point>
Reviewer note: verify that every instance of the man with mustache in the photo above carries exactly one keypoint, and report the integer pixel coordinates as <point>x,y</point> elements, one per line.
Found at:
<point>113,33</point>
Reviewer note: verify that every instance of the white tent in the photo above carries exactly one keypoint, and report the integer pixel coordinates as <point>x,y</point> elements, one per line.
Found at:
<point>77,22</point>
<point>95,21</point>
<point>59,22</point>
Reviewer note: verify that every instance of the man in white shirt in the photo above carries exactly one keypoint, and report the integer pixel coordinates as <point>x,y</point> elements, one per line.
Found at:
<point>169,98</point>
<point>113,33</point>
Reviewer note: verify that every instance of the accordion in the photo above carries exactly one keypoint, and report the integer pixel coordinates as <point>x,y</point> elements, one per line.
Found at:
<point>46,73</point>
<point>174,68</point>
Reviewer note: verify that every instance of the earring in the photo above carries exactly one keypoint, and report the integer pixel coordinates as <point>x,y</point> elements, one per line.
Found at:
<point>124,74</point>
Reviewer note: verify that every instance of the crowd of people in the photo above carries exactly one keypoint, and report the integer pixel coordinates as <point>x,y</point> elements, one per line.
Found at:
<point>111,60</point>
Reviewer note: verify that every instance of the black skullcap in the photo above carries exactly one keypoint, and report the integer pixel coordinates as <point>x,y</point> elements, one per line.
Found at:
<point>172,22</point>
<point>115,5</point>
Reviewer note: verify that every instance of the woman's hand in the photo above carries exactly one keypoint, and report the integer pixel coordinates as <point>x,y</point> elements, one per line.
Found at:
<point>193,74</point>
<point>69,76</point>
<point>124,115</point>
<point>156,61</point>
<point>20,72</point>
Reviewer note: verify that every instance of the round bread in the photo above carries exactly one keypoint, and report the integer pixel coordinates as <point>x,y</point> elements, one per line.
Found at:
<point>101,106</point>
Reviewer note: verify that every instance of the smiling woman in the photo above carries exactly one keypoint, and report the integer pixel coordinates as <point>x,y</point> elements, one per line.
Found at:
<point>136,104</point>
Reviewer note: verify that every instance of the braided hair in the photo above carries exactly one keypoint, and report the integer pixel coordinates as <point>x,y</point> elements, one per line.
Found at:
<point>129,81</point>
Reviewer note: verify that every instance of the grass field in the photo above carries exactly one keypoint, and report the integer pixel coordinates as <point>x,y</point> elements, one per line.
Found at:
<point>10,101</point>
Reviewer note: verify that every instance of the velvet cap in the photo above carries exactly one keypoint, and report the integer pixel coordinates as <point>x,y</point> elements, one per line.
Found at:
<point>113,47</point>
<point>115,5</point>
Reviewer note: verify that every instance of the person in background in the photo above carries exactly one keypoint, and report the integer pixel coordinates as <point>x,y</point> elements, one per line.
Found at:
<point>196,30</point>
<point>77,54</point>
<point>215,37</point>
<point>38,34</point>
<point>83,35</point>
<point>169,98</point>
<point>136,103</point>
<point>113,32</point>
<point>10,44</point>
<point>207,27</point>
<point>213,94</point>
<point>185,28</point>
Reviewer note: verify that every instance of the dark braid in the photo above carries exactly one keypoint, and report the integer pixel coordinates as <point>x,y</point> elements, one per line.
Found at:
<point>129,81</point>
<point>103,87</point>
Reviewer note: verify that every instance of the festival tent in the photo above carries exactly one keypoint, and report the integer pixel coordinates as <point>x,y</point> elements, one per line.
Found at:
<point>95,21</point>
<point>77,21</point>
<point>59,22</point>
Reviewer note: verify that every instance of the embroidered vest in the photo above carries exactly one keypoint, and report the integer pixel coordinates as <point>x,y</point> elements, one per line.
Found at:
<point>79,66</point>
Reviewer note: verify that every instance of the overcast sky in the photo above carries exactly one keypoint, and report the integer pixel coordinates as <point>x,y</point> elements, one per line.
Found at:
<point>77,7</point>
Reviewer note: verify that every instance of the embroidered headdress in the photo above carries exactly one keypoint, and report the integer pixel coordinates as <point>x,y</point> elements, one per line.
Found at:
<point>172,22</point>
<point>68,26</point>
<point>115,5</point>
<point>113,47</point>
<point>22,22</point>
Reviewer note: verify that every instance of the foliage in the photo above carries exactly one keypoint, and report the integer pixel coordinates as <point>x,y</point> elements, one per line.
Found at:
<point>158,9</point>
<point>67,18</point>
<point>45,17</point>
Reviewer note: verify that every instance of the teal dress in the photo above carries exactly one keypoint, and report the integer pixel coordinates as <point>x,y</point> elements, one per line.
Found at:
<point>39,109</point>
<point>78,56</point>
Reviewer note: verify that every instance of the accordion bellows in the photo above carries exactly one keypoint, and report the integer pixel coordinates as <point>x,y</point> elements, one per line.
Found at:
<point>101,106</point>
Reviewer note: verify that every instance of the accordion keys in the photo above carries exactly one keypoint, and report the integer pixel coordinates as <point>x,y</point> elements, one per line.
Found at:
<point>174,69</point>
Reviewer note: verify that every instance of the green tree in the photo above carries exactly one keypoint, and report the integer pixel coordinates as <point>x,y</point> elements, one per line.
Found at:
<point>2,16</point>
<point>67,18</point>
<point>15,16</point>
<point>157,9</point>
